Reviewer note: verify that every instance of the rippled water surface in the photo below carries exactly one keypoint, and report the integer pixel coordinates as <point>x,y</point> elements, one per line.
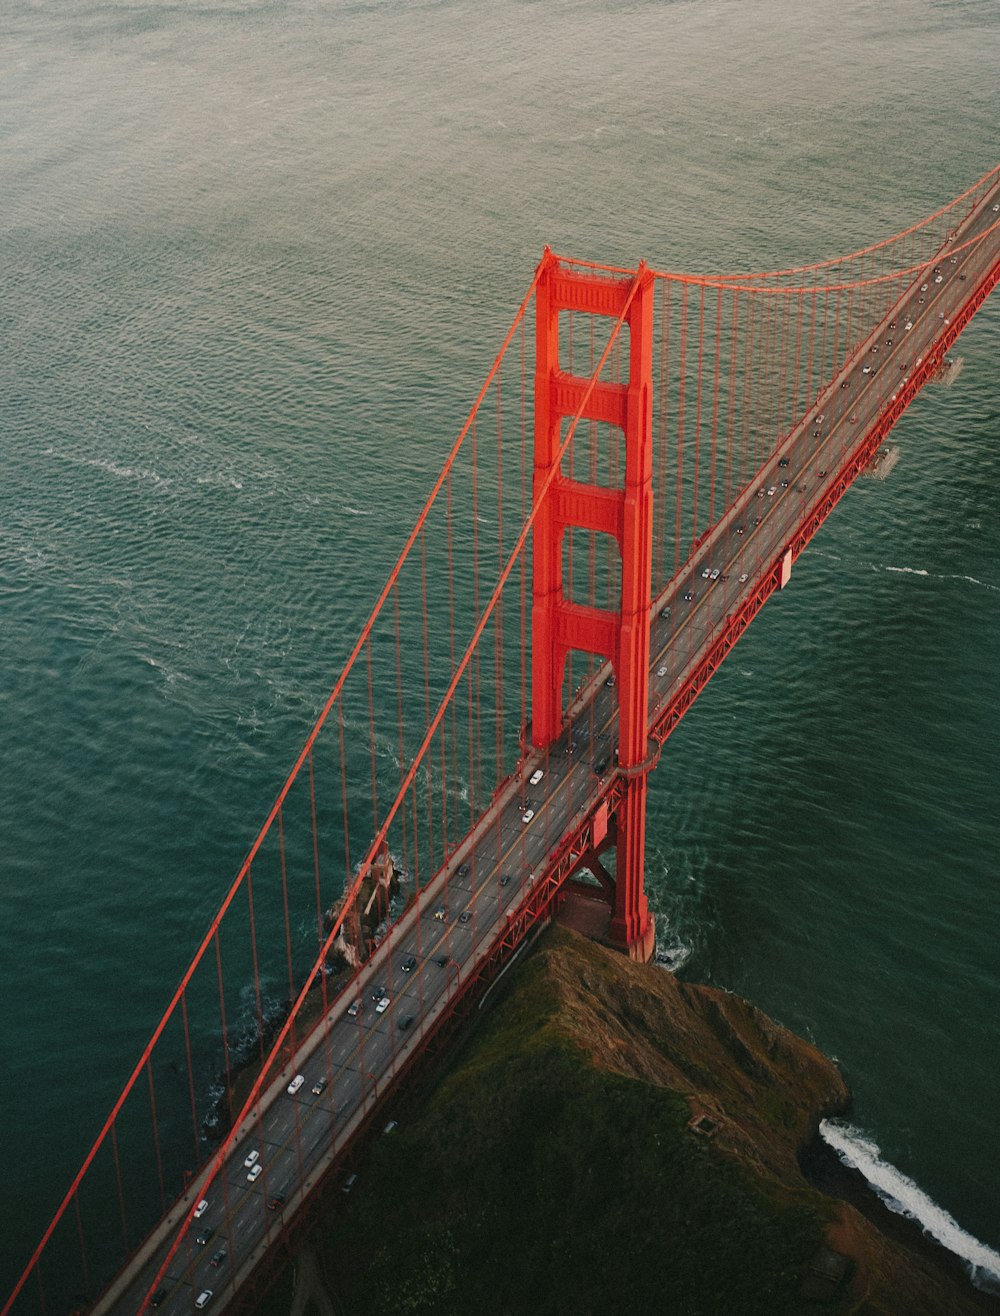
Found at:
<point>254,262</point>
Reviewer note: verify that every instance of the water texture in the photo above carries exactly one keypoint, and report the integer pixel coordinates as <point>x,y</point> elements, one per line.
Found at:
<point>254,261</point>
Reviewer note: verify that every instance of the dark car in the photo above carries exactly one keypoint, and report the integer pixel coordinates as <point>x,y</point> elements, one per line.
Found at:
<point>441,961</point>
<point>409,964</point>
<point>158,1297</point>
<point>505,879</point>
<point>783,461</point>
<point>688,596</point>
<point>378,993</point>
<point>202,1238</point>
<point>218,1259</point>
<point>406,1022</point>
<point>276,1202</point>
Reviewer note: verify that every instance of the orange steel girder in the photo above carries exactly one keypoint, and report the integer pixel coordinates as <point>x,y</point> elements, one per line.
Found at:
<point>559,625</point>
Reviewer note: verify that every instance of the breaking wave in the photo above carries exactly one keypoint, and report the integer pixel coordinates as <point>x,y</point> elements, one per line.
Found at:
<point>905,1198</point>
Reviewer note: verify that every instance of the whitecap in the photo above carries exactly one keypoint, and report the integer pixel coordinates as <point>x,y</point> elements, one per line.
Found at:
<point>904,1197</point>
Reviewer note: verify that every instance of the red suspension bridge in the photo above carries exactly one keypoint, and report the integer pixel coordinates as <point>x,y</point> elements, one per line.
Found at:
<point>615,511</point>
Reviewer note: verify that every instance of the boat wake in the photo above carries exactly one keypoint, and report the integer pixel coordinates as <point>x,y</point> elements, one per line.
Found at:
<point>905,1198</point>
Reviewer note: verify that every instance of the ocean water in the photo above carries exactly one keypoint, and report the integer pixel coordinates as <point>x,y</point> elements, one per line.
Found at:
<point>251,250</point>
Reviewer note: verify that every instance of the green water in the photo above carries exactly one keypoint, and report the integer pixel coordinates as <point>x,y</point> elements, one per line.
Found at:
<point>254,262</point>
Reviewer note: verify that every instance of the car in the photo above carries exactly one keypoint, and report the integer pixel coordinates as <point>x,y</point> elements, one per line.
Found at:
<point>218,1258</point>
<point>203,1298</point>
<point>888,342</point>
<point>505,879</point>
<point>715,573</point>
<point>255,1173</point>
<point>295,1084</point>
<point>874,348</point>
<point>665,614</point>
<point>441,961</point>
<point>378,993</point>
<point>276,1202</point>
<point>252,1159</point>
<point>158,1297</point>
<point>611,680</point>
<point>527,816</point>
<point>996,208</point>
<point>600,765</point>
<point>760,492</point>
<point>744,578</point>
<point>661,671</point>
<point>349,1183</point>
<point>756,521</point>
<point>782,461</point>
<point>819,415</point>
<point>201,1208</point>
<point>784,484</point>
<point>908,325</point>
<point>817,434</point>
<point>866,370</point>
<point>203,1237</point>
<point>392,1124</point>
<point>406,1023</point>
<point>706,573</point>
<point>939,278</point>
<point>355,1007</point>
<point>409,964</point>
<point>853,419</point>
<point>741,529</point>
<point>463,870</point>
<point>772,491</point>
<point>382,1006</point>
<point>465,916</point>
<point>923,287</point>
<point>844,383</point>
<point>319,1087</point>
<point>954,260</point>
<point>536,777</point>
<point>688,596</point>
<point>441,913</point>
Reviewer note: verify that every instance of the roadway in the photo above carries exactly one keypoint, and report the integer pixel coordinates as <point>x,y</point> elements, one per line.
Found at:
<point>460,916</point>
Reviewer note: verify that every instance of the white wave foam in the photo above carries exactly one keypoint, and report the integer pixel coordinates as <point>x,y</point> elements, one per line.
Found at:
<point>905,1198</point>
<point>917,571</point>
<point>355,511</point>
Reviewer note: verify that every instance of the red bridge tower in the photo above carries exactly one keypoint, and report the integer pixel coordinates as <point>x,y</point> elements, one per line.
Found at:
<point>558,624</point>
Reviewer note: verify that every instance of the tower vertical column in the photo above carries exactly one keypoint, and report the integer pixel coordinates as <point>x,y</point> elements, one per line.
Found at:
<point>632,928</point>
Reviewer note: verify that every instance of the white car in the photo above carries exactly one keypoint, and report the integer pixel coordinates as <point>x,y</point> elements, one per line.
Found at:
<point>661,671</point>
<point>536,777</point>
<point>255,1173</point>
<point>252,1159</point>
<point>772,491</point>
<point>706,573</point>
<point>744,577</point>
<point>203,1298</point>
<point>527,816</point>
<point>866,370</point>
<point>382,1006</point>
<point>295,1084</point>
<point>201,1208</point>
<point>715,574</point>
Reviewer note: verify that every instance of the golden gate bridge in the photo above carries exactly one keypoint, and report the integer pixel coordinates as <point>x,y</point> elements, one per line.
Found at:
<point>648,455</point>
